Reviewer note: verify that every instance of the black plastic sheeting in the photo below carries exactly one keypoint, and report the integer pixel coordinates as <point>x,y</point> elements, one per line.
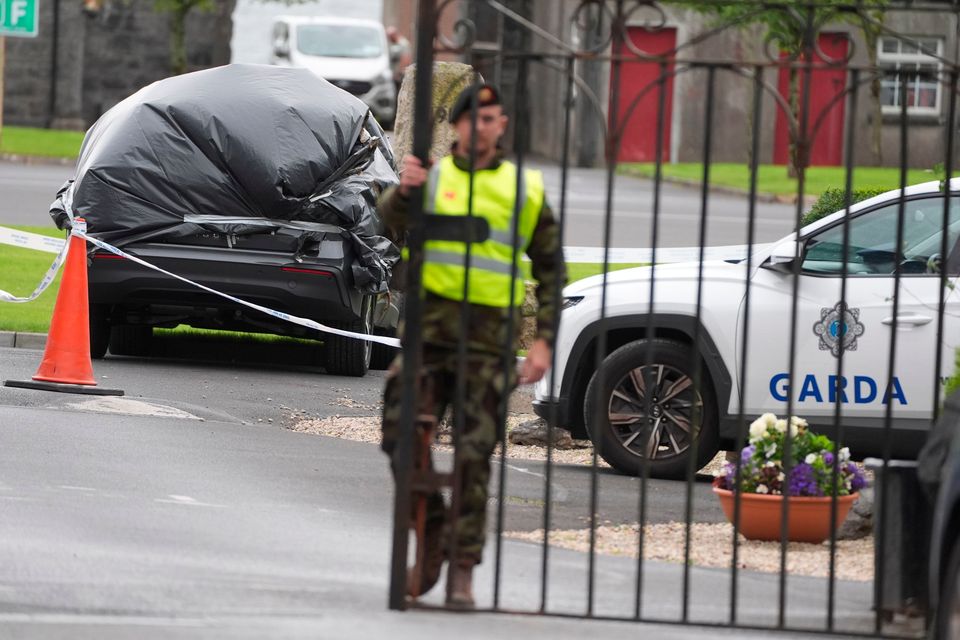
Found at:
<point>237,149</point>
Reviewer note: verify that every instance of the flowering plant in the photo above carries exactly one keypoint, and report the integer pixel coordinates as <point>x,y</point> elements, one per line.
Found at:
<point>813,458</point>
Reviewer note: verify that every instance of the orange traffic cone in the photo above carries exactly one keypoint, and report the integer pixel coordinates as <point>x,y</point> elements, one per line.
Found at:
<point>66,364</point>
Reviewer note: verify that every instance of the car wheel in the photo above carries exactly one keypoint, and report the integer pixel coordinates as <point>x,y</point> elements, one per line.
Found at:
<point>99,330</point>
<point>381,355</point>
<point>130,339</point>
<point>615,410</point>
<point>948,609</point>
<point>343,356</point>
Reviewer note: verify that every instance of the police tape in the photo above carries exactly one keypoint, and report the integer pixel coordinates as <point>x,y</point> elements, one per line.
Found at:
<point>572,254</point>
<point>79,230</point>
<point>40,243</point>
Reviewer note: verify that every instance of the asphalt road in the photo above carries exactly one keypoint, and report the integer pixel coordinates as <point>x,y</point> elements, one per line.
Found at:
<point>181,511</point>
<point>26,192</point>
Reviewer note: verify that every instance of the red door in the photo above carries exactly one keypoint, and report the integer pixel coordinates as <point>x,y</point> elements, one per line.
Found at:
<point>638,139</point>
<point>826,84</point>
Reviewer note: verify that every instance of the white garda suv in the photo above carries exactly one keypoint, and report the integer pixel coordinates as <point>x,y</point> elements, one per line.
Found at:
<point>642,403</point>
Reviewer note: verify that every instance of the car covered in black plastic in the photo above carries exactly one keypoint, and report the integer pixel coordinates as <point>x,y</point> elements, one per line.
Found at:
<point>255,181</point>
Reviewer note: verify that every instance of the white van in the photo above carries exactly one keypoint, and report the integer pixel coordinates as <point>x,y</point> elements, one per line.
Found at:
<point>352,54</point>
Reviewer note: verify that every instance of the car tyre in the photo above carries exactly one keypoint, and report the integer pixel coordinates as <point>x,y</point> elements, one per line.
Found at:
<point>661,439</point>
<point>381,356</point>
<point>948,607</point>
<point>343,356</point>
<point>131,339</point>
<point>99,330</point>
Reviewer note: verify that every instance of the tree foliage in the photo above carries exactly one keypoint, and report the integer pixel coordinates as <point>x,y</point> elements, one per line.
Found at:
<point>178,10</point>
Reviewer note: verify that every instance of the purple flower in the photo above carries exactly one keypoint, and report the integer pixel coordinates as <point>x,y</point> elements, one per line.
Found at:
<point>747,453</point>
<point>857,481</point>
<point>802,482</point>
<point>828,458</point>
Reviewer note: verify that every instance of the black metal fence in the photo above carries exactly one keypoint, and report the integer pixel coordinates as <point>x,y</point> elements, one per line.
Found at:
<point>844,322</point>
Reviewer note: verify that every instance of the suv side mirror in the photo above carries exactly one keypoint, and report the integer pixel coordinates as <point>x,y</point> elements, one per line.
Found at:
<point>784,257</point>
<point>281,49</point>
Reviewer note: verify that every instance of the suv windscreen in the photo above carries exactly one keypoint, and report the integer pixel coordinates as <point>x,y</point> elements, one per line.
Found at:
<point>339,41</point>
<point>873,238</point>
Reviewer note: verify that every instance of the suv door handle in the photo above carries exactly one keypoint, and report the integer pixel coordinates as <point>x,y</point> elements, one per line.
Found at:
<point>909,319</point>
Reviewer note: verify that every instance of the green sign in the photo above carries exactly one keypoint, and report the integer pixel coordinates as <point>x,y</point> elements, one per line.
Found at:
<point>18,18</point>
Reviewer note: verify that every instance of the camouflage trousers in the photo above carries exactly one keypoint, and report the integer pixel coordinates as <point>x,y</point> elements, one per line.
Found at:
<point>486,392</point>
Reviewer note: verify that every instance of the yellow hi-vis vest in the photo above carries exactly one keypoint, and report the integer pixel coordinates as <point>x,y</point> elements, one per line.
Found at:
<point>491,261</point>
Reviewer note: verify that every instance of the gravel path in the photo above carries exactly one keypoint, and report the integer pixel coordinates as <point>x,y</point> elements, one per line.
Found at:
<point>711,544</point>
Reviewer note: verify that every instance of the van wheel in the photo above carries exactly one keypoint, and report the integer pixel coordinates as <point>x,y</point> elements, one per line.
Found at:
<point>131,339</point>
<point>99,330</point>
<point>343,356</point>
<point>615,410</point>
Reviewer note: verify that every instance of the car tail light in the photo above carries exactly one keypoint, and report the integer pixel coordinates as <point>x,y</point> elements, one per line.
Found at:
<point>107,256</point>
<point>313,272</point>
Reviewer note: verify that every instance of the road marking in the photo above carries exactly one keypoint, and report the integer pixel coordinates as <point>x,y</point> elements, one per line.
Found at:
<point>128,406</point>
<point>73,488</point>
<point>526,471</point>
<point>187,501</point>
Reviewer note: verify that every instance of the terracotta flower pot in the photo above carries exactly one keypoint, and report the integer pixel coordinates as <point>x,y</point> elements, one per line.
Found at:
<point>761,515</point>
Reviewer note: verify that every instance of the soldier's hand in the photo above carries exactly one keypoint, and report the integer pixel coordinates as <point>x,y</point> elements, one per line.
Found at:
<point>412,175</point>
<point>536,363</point>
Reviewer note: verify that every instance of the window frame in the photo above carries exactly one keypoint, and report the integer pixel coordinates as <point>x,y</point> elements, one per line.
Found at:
<point>951,262</point>
<point>887,61</point>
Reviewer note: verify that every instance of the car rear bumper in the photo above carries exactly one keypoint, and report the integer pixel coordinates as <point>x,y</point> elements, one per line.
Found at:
<point>311,288</point>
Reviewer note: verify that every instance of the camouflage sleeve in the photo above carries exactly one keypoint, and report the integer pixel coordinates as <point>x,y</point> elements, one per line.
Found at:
<point>550,272</point>
<point>393,207</point>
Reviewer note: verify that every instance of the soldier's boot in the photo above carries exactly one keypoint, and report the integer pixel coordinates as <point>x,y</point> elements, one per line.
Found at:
<point>460,575</point>
<point>434,555</point>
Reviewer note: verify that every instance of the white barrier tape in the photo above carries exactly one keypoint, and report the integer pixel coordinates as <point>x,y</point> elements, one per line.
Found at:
<point>305,322</point>
<point>29,240</point>
<point>664,254</point>
<point>51,273</point>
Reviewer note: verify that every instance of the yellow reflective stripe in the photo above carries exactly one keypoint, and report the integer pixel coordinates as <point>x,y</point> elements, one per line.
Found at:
<point>506,237</point>
<point>437,256</point>
<point>433,181</point>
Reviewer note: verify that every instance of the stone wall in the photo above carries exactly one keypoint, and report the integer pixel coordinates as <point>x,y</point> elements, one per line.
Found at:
<point>101,58</point>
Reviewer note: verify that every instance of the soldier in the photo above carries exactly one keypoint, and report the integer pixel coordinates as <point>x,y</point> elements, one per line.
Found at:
<point>489,307</point>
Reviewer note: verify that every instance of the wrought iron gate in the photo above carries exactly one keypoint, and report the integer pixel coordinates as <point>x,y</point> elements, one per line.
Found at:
<point>756,65</point>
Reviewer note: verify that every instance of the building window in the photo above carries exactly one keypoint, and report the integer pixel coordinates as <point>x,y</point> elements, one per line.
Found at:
<point>911,63</point>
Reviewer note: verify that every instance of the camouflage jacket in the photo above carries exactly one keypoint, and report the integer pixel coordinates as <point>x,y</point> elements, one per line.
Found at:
<point>445,320</point>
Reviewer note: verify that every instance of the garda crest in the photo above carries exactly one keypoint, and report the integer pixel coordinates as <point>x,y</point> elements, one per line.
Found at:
<point>838,325</point>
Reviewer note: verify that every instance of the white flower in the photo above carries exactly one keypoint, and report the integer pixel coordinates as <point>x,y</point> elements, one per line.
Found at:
<point>798,422</point>
<point>811,458</point>
<point>781,477</point>
<point>758,428</point>
<point>780,425</point>
<point>770,450</point>
<point>762,488</point>
<point>844,454</point>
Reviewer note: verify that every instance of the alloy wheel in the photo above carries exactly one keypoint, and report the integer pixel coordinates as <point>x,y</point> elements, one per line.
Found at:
<point>675,413</point>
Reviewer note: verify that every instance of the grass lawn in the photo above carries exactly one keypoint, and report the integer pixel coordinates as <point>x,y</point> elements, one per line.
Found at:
<point>20,273</point>
<point>773,179</point>
<point>54,143</point>
<point>21,270</point>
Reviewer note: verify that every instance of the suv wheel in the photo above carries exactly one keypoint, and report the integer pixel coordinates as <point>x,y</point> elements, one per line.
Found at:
<point>131,339</point>
<point>615,410</point>
<point>99,330</point>
<point>948,609</point>
<point>381,356</point>
<point>343,356</point>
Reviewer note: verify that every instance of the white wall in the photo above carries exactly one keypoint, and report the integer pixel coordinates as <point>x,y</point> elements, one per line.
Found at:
<point>253,21</point>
